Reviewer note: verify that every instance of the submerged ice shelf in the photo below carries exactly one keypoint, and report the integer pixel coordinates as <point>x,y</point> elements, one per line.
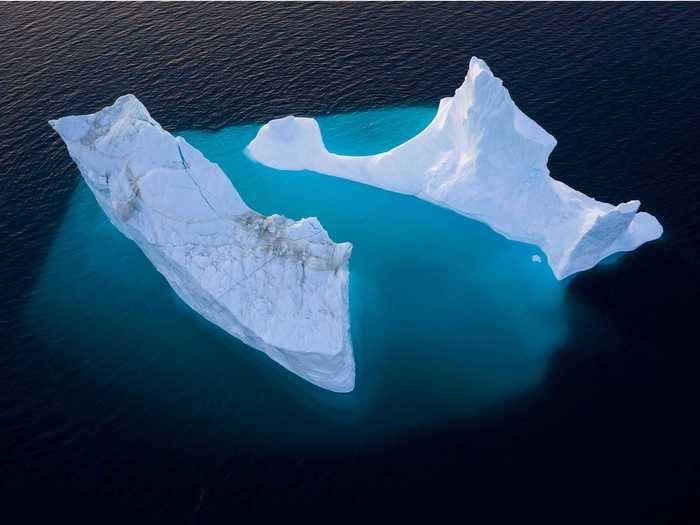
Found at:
<point>483,158</point>
<point>282,286</point>
<point>467,336</point>
<point>278,285</point>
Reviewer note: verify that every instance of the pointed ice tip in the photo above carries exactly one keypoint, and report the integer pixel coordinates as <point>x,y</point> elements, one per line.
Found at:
<point>69,128</point>
<point>476,66</point>
<point>129,98</point>
<point>629,207</point>
<point>130,105</point>
<point>475,60</point>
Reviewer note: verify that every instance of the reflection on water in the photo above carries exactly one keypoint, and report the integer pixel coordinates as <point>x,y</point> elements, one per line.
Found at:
<point>447,316</point>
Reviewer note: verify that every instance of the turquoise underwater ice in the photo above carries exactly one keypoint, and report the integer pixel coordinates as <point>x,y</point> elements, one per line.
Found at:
<point>448,317</point>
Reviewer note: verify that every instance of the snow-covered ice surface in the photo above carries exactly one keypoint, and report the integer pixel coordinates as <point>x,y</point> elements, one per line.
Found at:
<point>278,285</point>
<point>483,158</point>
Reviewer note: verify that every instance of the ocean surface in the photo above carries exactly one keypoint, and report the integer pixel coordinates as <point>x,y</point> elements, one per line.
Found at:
<point>487,390</point>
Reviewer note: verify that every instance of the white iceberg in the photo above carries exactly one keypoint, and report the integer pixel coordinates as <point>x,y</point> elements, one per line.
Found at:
<point>483,158</point>
<point>279,286</point>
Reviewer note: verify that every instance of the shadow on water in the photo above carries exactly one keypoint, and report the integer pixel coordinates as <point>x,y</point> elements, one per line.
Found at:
<point>448,317</point>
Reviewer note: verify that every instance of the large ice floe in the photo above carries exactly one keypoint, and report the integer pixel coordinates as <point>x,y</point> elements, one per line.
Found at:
<point>483,158</point>
<point>279,286</point>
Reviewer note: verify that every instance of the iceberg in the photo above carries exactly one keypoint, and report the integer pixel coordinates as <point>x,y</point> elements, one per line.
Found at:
<point>483,158</point>
<point>278,285</point>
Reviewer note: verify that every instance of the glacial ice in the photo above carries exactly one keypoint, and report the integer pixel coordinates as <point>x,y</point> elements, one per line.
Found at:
<point>483,158</point>
<point>279,286</point>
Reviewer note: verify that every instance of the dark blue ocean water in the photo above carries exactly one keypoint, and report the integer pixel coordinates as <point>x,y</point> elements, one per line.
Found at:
<point>485,387</point>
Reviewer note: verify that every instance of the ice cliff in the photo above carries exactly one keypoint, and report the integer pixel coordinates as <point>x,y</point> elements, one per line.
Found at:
<point>483,158</point>
<point>277,285</point>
